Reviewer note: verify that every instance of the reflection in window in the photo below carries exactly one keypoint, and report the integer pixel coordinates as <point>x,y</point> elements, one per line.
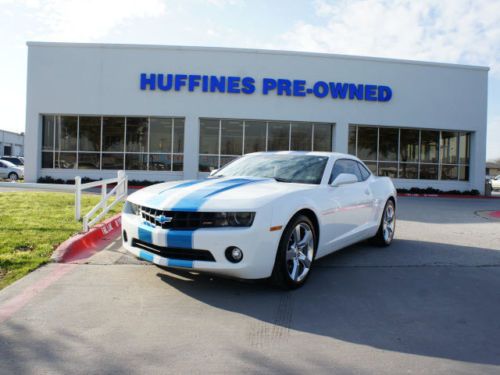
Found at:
<point>65,160</point>
<point>160,139</point>
<point>428,171</point>
<point>448,148</point>
<point>367,143</point>
<point>137,162</point>
<point>352,140</point>
<point>89,160</point>
<point>48,133</point>
<point>159,162</point>
<point>48,159</point>
<point>409,146</point>
<point>408,170</point>
<point>165,141</point>
<point>231,137</point>
<point>221,141</point>
<point>113,130</point>
<point>209,136</point>
<point>388,169</point>
<point>464,148</point>
<point>178,144</point>
<point>112,161</point>
<point>424,154</point>
<point>67,128</point>
<point>137,134</point>
<point>301,137</point>
<point>278,136</point>
<point>388,145</point>
<point>429,142</point>
<point>322,137</point>
<point>89,134</point>
<point>255,136</point>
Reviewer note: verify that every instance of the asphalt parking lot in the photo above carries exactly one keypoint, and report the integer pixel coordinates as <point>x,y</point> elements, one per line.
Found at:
<point>428,304</point>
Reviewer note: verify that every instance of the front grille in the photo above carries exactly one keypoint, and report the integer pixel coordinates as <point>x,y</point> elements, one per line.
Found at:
<point>174,253</point>
<point>179,220</point>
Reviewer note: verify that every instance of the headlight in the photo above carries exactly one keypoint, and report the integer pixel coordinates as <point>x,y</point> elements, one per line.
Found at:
<point>131,208</point>
<point>230,219</point>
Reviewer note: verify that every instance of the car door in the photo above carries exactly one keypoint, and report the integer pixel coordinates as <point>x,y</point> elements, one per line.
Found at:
<point>3,170</point>
<point>350,207</point>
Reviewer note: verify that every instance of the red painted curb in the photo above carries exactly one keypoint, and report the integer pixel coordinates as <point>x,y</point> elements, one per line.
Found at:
<point>446,196</point>
<point>84,245</point>
<point>495,214</point>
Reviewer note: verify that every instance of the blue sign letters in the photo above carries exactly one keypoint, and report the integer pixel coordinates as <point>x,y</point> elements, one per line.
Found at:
<point>269,86</point>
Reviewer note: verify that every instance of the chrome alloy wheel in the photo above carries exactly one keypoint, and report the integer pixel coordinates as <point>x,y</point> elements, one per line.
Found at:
<point>389,222</point>
<point>300,252</point>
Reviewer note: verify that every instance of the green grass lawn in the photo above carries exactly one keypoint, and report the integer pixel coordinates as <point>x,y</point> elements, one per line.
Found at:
<point>32,224</point>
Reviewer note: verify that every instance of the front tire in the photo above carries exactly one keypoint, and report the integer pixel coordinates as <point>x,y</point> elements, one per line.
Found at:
<point>13,176</point>
<point>385,233</point>
<point>296,252</point>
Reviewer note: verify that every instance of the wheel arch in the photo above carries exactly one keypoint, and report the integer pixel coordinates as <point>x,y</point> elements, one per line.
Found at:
<point>311,215</point>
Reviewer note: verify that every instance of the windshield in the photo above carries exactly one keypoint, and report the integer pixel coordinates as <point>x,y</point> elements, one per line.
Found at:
<point>306,169</point>
<point>8,164</point>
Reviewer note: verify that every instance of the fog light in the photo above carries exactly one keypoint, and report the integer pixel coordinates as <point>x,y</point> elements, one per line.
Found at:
<point>125,238</point>
<point>234,254</point>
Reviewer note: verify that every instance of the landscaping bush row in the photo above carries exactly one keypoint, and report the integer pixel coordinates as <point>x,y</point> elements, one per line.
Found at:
<point>430,190</point>
<point>51,180</point>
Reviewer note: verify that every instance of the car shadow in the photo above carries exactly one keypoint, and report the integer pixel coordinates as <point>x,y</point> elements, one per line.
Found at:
<point>421,307</point>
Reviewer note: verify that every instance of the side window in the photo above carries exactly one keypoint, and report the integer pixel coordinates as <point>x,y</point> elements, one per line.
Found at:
<point>345,166</point>
<point>365,173</point>
<point>2,165</point>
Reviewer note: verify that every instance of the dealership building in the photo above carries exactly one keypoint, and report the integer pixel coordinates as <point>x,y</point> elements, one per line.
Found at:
<point>169,113</point>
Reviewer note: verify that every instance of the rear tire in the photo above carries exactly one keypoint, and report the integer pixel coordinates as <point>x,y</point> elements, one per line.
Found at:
<point>13,176</point>
<point>385,233</point>
<point>295,255</point>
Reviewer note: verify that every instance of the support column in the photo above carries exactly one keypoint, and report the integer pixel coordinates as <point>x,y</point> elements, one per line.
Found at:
<point>341,137</point>
<point>191,147</point>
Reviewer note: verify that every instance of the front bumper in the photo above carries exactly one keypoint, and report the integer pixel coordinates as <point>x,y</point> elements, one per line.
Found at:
<point>258,243</point>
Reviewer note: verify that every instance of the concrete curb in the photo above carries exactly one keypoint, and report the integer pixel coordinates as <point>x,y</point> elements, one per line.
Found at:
<point>83,245</point>
<point>446,196</point>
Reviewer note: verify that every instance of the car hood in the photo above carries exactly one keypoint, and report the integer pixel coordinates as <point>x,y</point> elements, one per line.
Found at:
<point>230,193</point>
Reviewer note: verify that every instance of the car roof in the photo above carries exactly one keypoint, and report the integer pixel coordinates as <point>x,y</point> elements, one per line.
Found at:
<point>335,155</point>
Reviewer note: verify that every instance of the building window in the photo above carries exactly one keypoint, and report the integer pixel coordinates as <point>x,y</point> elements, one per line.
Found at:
<point>222,141</point>
<point>112,142</point>
<point>412,153</point>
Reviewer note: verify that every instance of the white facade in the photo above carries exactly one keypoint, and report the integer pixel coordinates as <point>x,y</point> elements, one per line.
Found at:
<point>104,80</point>
<point>11,144</point>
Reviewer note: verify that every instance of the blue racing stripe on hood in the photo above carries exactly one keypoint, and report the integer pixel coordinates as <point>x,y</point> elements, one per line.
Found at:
<point>160,196</point>
<point>193,201</point>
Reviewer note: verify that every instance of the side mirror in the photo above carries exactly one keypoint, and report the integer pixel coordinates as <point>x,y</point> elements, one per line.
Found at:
<point>344,179</point>
<point>213,172</point>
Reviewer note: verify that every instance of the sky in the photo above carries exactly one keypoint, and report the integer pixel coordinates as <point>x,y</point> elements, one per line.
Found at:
<point>452,31</point>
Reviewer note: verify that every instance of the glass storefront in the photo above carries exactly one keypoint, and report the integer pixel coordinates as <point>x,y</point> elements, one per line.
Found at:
<point>113,142</point>
<point>412,153</point>
<point>222,141</point>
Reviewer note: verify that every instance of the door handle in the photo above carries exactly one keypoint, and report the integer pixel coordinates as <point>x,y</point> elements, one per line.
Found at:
<point>367,192</point>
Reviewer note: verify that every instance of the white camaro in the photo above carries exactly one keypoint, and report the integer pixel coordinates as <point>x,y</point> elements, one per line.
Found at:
<point>268,214</point>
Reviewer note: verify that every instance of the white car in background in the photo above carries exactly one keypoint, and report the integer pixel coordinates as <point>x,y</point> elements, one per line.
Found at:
<point>262,215</point>
<point>495,183</point>
<point>11,171</point>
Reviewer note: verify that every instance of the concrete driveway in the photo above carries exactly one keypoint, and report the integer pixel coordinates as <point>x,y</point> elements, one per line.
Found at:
<point>428,304</point>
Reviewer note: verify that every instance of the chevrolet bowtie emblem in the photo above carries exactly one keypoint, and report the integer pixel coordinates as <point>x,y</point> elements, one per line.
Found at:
<point>162,219</point>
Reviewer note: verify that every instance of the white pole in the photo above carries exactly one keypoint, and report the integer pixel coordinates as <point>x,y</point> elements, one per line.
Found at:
<point>78,196</point>
<point>103,196</point>
<point>121,181</point>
